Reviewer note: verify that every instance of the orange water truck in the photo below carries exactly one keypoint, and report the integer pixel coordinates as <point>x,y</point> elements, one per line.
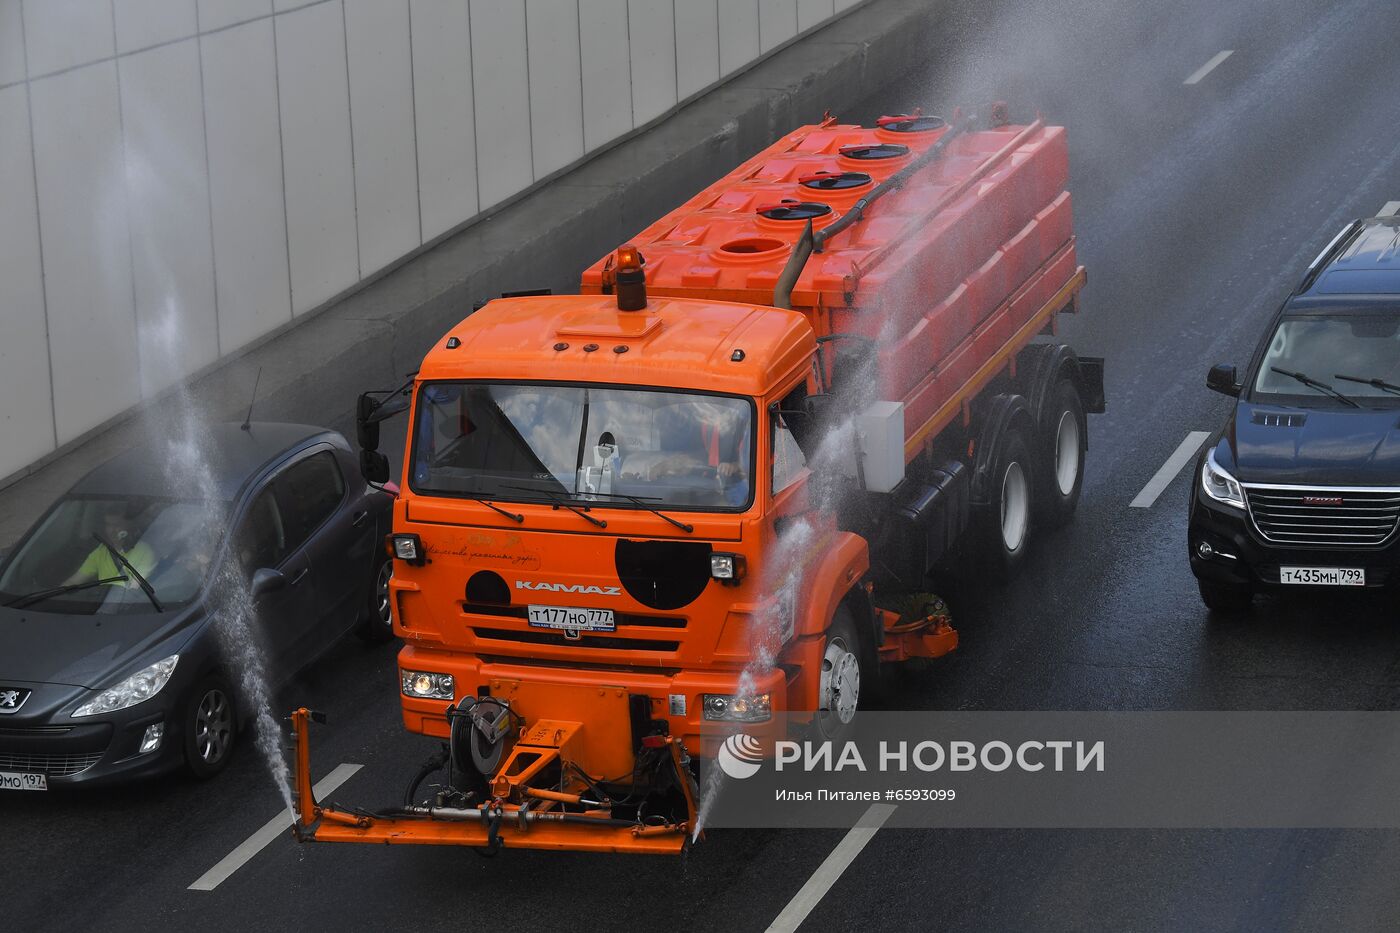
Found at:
<point>717,484</point>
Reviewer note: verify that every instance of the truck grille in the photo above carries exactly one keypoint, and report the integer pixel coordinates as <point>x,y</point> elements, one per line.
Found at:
<point>56,765</point>
<point>1324,516</point>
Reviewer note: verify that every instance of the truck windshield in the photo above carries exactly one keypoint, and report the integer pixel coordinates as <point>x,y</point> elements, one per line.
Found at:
<point>521,442</point>
<point>1363,348</point>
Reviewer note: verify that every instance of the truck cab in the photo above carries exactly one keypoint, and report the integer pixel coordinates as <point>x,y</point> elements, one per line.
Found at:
<point>597,489</point>
<point>1302,485</point>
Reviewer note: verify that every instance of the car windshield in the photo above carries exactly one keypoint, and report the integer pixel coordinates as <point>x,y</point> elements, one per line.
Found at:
<point>1363,347</point>
<point>582,443</point>
<point>169,542</point>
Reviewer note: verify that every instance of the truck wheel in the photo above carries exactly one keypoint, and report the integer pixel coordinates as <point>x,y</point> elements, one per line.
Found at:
<point>378,624</point>
<point>210,727</point>
<point>1005,523</point>
<point>1063,440</point>
<point>843,668</point>
<point>1226,598</point>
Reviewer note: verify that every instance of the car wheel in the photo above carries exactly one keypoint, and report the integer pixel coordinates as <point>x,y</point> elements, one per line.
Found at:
<point>378,625</point>
<point>843,670</point>
<point>1226,598</point>
<point>1063,437</point>
<point>210,727</point>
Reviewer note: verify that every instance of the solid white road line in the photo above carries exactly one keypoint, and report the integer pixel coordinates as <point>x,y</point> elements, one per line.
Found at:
<point>277,826</point>
<point>826,874</point>
<point>1208,67</point>
<point>1179,458</point>
<point>1390,209</point>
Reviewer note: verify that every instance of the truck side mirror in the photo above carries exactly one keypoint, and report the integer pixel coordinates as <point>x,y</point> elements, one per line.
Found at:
<point>366,431</point>
<point>1222,379</point>
<point>374,466</point>
<point>265,581</point>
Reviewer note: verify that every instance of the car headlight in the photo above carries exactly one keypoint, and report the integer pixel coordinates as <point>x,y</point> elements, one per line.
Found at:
<point>140,686</point>
<point>427,685</point>
<point>728,568</point>
<point>724,707</point>
<point>1220,485</point>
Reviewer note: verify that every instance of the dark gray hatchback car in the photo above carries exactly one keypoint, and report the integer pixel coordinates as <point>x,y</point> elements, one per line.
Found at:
<point>126,612</point>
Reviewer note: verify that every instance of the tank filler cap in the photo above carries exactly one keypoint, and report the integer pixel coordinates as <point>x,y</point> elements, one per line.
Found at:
<point>911,123</point>
<point>793,209</point>
<point>874,151</point>
<point>834,181</point>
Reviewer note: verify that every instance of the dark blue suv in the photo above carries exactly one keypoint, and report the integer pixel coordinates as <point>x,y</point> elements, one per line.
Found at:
<point>1302,485</point>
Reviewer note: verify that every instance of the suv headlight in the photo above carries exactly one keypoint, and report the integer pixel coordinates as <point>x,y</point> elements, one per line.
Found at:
<point>1220,485</point>
<point>427,685</point>
<point>138,687</point>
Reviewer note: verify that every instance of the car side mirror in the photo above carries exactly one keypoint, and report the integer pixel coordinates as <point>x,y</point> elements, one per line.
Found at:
<point>374,466</point>
<point>266,581</point>
<point>1222,379</point>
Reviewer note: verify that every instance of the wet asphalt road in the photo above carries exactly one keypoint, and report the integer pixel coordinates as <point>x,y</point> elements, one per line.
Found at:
<point>1197,209</point>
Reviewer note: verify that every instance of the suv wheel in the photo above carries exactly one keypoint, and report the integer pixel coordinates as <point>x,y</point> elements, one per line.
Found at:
<point>1230,598</point>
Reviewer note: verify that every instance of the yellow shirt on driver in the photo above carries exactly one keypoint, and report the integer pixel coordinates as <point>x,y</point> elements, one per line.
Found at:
<point>101,565</point>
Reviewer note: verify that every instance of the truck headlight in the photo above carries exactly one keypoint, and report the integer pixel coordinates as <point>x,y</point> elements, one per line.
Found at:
<point>140,686</point>
<point>725,707</point>
<point>1220,485</point>
<point>728,568</point>
<point>427,685</point>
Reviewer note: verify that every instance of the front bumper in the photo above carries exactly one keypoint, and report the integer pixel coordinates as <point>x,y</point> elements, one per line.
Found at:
<point>547,693</point>
<point>1255,563</point>
<point>85,752</point>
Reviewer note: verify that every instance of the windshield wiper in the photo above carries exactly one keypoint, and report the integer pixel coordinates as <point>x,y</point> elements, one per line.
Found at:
<point>22,601</point>
<point>561,502</point>
<point>496,508</point>
<point>642,501</point>
<point>1376,383</point>
<point>141,581</point>
<point>1312,383</point>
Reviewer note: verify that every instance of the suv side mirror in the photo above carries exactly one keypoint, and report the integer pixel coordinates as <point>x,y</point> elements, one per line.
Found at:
<point>265,581</point>
<point>1222,379</point>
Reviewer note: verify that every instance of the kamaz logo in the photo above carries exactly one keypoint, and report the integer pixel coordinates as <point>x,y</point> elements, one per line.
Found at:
<point>569,588</point>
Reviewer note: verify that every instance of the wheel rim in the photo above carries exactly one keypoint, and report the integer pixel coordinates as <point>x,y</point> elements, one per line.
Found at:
<point>383,614</point>
<point>213,727</point>
<point>840,681</point>
<point>1014,507</point>
<point>1067,452</point>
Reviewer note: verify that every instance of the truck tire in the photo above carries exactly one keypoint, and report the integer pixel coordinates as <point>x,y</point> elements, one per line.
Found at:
<point>1226,598</point>
<point>1063,440</point>
<point>844,667</point>
<point>1004,523</point>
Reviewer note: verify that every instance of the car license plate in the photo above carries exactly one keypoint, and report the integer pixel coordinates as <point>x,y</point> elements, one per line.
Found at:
<point>10,780</point>
<point>572,620</point>
<point>1323,576</point>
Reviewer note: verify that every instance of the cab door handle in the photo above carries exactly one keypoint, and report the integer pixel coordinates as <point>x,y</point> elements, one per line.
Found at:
<point>300,575</point>
<point>358,518</point>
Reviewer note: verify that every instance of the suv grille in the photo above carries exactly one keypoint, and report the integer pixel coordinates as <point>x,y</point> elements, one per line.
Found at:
<point>48,764</point>
<point>1324,516</point>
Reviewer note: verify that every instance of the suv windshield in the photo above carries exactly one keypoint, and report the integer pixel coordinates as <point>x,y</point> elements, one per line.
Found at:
<point>587,443</point>
<point>1363,347</point>
<point>63,566</point>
